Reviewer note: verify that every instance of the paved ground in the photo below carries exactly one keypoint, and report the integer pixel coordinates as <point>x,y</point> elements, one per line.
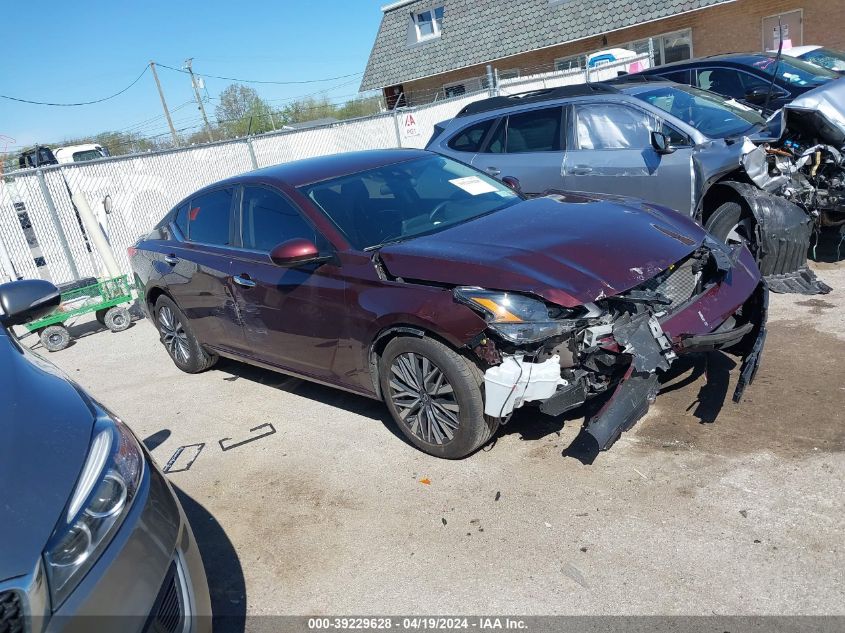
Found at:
<point>332,515</point>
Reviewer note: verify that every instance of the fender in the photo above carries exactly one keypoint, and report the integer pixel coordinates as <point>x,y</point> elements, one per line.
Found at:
<point>783,234</point>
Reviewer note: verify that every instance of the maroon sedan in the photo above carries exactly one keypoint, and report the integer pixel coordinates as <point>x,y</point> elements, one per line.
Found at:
<point>408,277</point>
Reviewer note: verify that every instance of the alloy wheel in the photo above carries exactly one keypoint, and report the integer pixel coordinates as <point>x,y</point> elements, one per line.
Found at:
<point>424,398</point>
<point>173,335</point>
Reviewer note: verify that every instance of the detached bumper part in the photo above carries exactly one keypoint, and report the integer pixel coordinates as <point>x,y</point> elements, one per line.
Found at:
<point>802,281</point>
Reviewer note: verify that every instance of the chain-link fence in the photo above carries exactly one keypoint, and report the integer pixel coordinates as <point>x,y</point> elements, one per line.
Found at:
<point>42,235</point>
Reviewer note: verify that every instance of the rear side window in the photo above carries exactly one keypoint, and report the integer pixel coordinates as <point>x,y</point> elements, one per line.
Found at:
<point>679,76</point>
<point>535,131</point>
<point>268,219</point>
<point>209,217</point>
<point>470,139</point>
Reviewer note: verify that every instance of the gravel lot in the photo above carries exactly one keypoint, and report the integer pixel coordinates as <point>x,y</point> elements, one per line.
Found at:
<point>334,514</point>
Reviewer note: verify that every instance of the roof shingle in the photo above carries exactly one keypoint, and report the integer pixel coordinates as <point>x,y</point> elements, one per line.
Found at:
<point>478,31</point>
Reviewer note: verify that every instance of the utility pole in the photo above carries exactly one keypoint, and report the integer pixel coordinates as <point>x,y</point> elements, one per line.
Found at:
<point>188,63</point>
<point>164,105</point>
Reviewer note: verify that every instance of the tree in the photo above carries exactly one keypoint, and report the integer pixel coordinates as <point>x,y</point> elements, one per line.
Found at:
<point>238,105</point>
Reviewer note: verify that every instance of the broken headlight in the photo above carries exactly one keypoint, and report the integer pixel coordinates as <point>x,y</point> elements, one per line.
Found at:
<point>102,498</point>
<point>515,317</point>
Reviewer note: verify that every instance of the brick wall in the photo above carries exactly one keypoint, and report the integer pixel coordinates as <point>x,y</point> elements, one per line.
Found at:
<point>733,27</point>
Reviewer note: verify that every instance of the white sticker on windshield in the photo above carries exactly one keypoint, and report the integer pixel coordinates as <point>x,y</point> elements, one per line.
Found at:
<point>473,185</point>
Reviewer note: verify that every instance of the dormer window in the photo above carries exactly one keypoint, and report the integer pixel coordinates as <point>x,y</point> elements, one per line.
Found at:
<point>427,24</point>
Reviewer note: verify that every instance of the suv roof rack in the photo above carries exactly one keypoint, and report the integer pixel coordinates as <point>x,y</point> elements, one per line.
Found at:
<point>536,96</point>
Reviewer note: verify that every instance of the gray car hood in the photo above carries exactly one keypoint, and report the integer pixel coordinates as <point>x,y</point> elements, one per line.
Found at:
<point>45,430</point>
<point>820,110</point>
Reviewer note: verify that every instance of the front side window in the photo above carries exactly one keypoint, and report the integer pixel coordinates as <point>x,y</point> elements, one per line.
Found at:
<point>470,139</point>
<point>710,114</point>
<point>268,219</point>
<point>209,217</point>
<point>427,24</point>
<point>612,126</point>
<point>404,200</point>
<point>724,81</point>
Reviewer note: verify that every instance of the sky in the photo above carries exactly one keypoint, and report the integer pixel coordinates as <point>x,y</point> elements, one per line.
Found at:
<point>81,51</point>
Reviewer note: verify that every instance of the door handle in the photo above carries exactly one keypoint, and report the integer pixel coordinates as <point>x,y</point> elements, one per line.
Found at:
<point>493,171</point>
<point>171,259</point>
<point>244,280</point>
<point>582,170</point>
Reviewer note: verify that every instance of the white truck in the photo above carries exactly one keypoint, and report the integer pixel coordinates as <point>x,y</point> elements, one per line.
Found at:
<point>80,153</point>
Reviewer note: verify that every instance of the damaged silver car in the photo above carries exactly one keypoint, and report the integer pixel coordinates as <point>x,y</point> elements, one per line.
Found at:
<point>768,183</point>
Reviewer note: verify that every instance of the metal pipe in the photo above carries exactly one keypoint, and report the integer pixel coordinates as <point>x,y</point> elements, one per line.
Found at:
<point>95,233</point>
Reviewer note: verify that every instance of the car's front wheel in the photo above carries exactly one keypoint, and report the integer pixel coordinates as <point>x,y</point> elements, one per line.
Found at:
<point>178,338</point>
<point>435,396</point>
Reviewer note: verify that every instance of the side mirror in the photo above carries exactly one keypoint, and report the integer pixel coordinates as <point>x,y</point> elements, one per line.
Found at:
<point>22,301</point>
<point>512,183</point>
<point>295,252</point>
<point>757,95</point>
<point>660,143</point>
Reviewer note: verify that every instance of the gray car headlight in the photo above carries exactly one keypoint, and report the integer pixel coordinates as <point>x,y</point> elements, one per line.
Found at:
<point>100,502</point>
<point>515,317</point>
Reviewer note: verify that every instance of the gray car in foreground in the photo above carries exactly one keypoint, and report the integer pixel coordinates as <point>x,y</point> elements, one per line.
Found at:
<point>769,183</point>
<point>93,537</point>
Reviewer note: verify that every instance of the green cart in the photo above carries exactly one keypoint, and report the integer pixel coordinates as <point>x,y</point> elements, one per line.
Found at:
<point>106,298</point>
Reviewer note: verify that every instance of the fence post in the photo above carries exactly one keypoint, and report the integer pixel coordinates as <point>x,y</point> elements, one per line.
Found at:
<point>57,224</point>
<point>251,152</point>
<point>492,81</point>
<point>6,267</point>
<point>396,127</point>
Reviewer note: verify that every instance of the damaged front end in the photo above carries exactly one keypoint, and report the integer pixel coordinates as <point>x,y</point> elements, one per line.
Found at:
<point>611,351</point>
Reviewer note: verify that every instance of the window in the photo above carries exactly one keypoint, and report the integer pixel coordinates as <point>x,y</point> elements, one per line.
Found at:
<point>403,200</point>
<point>268,219</point>
<point>455,90</point>
<point>181,219</point>
<point>427,24</point>
<point>611,126</point>
<point>533,131</point>
<point>679,76</point>
<point>209,217</point>
<point>575,62</point>
<point>469,139</point>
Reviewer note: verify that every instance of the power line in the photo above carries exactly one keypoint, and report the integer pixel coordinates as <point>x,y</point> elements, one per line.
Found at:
<point>82,103</point>
<point>259,81</point>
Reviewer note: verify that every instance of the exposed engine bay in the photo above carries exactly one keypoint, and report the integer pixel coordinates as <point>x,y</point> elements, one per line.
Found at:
<point>613,350</point>
<point>806,163</point>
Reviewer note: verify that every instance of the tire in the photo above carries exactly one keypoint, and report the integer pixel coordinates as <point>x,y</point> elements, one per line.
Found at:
<point>732,223</point>
<point>469,428</point>
<point>101,316</point>
<point>117,319</point>
<point>178,338</point>
<point>55,337</point>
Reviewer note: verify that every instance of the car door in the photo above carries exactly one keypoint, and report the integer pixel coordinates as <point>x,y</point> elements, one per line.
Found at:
<point>528,146</point>
<point>292,317</point>
<point>196,270</point>
<point>610,151</point>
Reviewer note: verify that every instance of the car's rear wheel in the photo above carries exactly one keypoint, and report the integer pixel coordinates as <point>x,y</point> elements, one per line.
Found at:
<point>435,396</point>
<point>55,337</point>
<point>178,338</point>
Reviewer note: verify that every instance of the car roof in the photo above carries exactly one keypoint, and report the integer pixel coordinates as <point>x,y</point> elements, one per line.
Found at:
<point>536,96</point>
<point>310,170</point>
<point>740,59</point>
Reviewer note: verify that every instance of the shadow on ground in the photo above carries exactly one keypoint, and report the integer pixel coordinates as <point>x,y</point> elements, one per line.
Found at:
<point>226,583</point>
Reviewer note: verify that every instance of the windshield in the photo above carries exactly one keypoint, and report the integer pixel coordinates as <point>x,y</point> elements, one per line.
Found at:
<point>707,112</point>
<point>404,200</point>
<point>794,71</point>
<point>827,58</point>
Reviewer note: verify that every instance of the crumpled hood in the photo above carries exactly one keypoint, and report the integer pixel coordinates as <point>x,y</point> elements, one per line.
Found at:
<point>569,249</point>
<point>820,110</point>
<point>45,431</point>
